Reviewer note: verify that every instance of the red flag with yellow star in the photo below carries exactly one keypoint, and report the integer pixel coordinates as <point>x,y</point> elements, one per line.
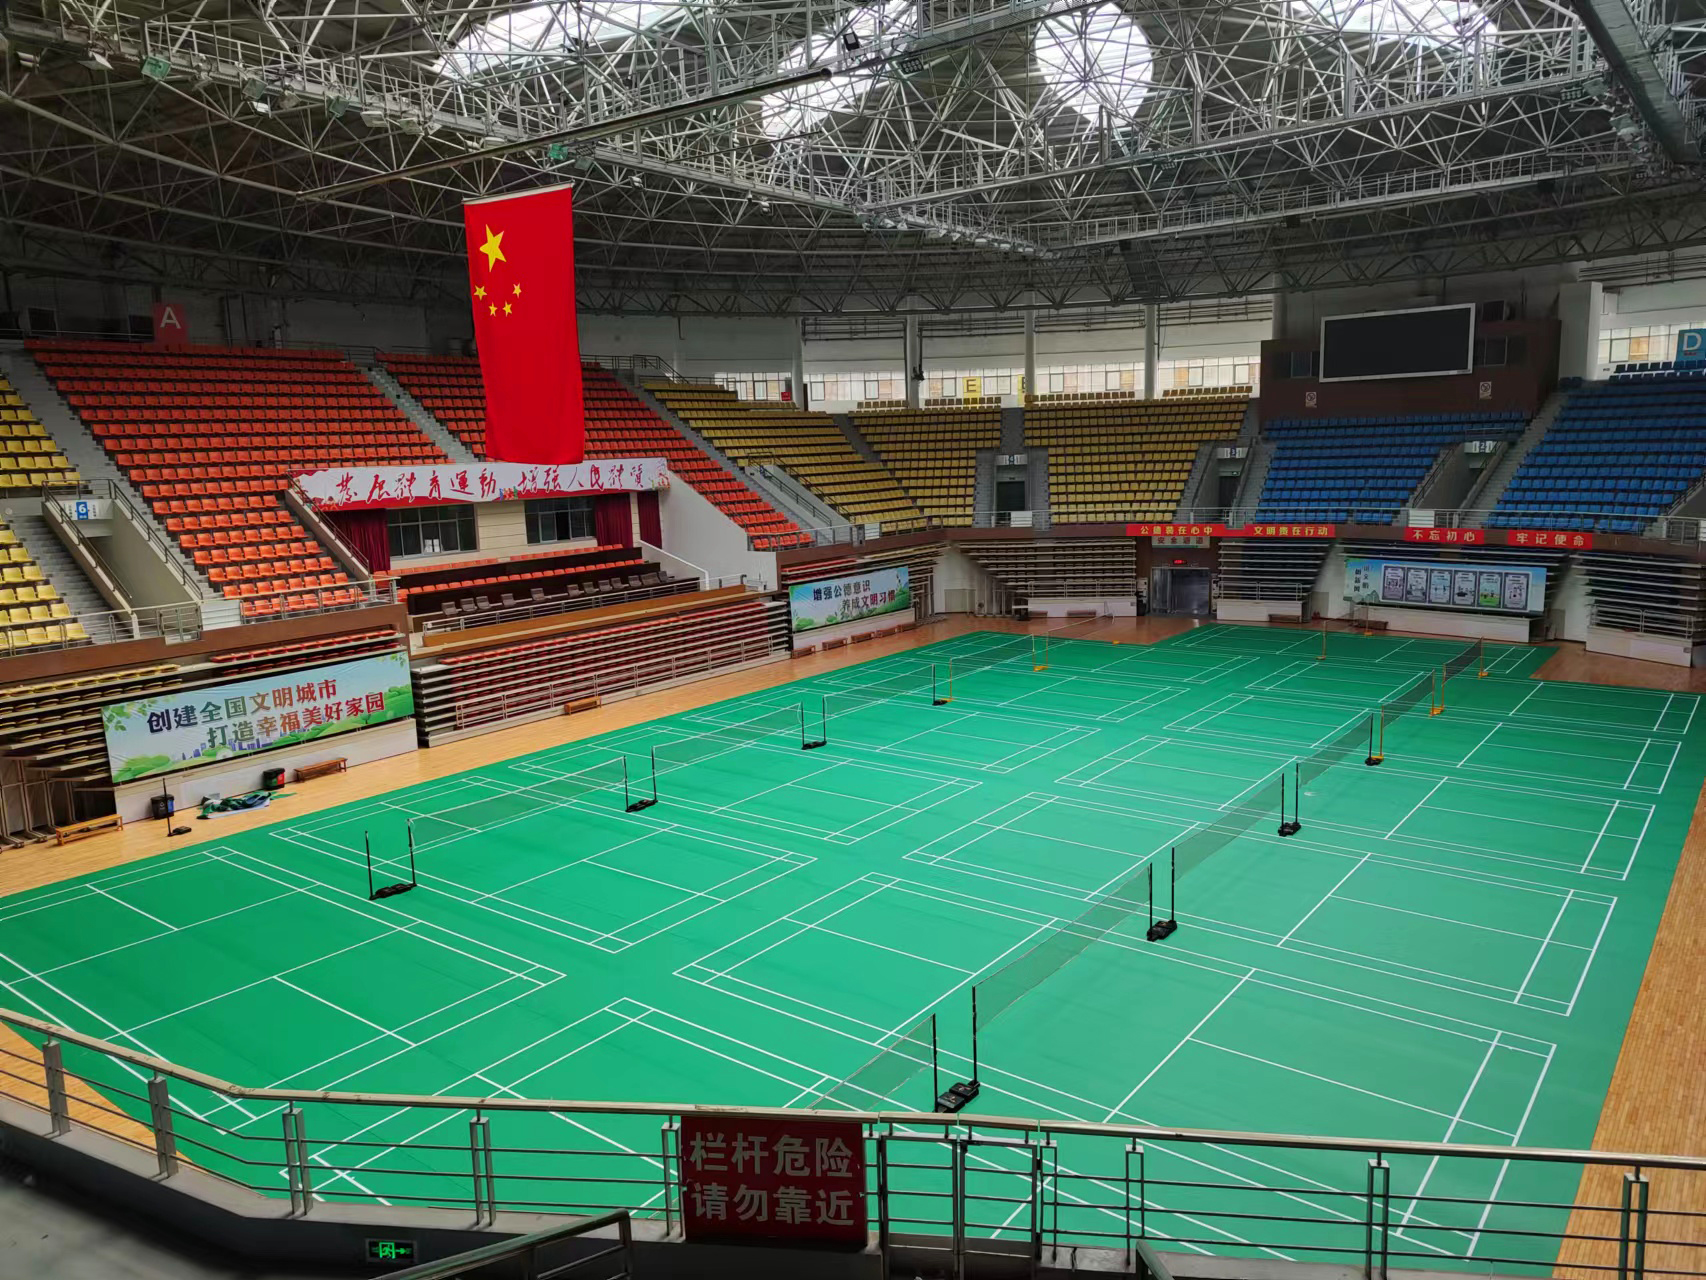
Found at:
<point>521,272</point>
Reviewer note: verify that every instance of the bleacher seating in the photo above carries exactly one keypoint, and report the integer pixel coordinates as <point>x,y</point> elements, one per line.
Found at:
<point>32,616</point>
<point>29,458</point>
<point>809,446</point>
<point>1362,470</point>
<point>483,685</point>
<point>212,435</point>
<point>618,425</point>
<point>1616,458</point>
<point>1112,460</point>
<point>933,454</point>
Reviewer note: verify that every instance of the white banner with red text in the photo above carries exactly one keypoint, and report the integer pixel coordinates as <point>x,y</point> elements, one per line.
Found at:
<point>362,488</point>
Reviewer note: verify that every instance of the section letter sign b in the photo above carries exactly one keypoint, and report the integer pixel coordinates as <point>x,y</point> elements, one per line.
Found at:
<point>757,1180</point>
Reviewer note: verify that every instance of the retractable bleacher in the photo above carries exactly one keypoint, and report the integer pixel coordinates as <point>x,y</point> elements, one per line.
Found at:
<point>1616,458</point>
<point>618,425</point>
<point>933,454</point>
<point>212,436</point>
<point>1112,460</point>
<point>809,446</point>
<point>1363,470</point>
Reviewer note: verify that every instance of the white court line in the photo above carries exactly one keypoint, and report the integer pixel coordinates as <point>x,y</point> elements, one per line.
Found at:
<point>1636,767</point>
<point>1323,902</point>
<point>1416,1195</point>
<point>1603,828</point>
<point>1504,1165</point>
<point>1569,896</point>
<point>1185,1040</point>
<point>1397,1102</point>
<point>1413,808</point>
<point>1593,954</point>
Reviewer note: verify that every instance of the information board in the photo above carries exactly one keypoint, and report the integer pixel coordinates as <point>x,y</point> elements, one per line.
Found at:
<point>814,605</point>
<point>193,727</point>
<point>1423,584</point>
<point>783,1180</point>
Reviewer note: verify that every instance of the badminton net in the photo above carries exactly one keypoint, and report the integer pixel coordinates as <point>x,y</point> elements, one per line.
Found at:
<point>879,1080</point>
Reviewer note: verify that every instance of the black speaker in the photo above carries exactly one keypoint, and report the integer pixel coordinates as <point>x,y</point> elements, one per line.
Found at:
<point>272,779</point>
<point>162,806</point>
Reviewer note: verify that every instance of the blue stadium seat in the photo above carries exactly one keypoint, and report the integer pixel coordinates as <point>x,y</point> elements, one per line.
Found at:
<point>1362,470</point>
<point>1617,458</point>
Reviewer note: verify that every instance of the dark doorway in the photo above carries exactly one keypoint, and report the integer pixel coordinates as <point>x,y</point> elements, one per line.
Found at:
<point>1180,592</point>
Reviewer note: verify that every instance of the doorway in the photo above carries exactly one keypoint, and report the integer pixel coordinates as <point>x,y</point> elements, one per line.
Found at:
<point>1181,592</point>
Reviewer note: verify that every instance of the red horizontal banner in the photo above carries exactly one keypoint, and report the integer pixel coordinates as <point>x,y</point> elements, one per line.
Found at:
<point>1548,538</point>
<point>1221,531</point>
<point>1447,537</point>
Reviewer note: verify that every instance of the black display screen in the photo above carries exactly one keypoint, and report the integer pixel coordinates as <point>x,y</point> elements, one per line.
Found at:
<point>1398,344</point>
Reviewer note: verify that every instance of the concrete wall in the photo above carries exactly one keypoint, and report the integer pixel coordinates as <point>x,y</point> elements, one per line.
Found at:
<point>698,532</point>
<point>139,566</point>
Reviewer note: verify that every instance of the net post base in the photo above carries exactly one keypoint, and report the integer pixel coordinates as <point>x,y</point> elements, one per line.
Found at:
<point>634,806</point>
<point>389,891</point>
<point>1161,930</point>
<point>956,1097</point>
<point>940,702</point>
<point>1290,828</point>
<point>812,746</point>
<point>1374,760</point>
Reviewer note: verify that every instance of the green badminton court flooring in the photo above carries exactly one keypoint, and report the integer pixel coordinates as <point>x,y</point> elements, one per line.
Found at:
<point>1449,949</point>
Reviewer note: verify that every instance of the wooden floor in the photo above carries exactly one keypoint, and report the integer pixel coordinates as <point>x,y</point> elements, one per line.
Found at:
<point>1657,1100</point>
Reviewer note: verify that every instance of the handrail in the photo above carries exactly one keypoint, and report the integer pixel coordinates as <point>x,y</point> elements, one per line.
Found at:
<point>465,1264</point>
<point>886,1119</point>
<point>104,489</point>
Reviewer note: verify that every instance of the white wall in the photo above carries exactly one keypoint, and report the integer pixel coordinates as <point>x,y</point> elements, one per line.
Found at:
<point>1534,293</point>
<point>696,531</point>
<point>500,529</point>
<point>1673,302</point>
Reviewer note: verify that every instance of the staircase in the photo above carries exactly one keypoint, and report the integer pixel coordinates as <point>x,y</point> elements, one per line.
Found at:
<point>861,446</point>
<point>1251,483</point>
<point>801,515</point>
<point>1036,485</point>
<point>62,571</point>
<point>85,452</point>
<point>420,415</point>
<point>1203,470</point>
<point>1485,495</point>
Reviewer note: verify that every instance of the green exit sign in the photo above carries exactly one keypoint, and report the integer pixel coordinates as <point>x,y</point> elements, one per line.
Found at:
<point>395,1253</point>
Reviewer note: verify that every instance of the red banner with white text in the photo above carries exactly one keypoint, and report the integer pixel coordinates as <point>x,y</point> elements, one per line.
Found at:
<point>359,488</point>
<point>1446,537</point>
<point>521,274</point>
<point>756,1179</point>
<point>1196,530</point>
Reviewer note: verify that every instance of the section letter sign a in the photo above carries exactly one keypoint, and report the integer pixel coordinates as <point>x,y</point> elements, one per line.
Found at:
<point>752,1180</point>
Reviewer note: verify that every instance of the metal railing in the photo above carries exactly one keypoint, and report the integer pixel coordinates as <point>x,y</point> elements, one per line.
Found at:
<point>638,365</point>
<point>550,606</point>
<point>534,1253</point>
<point>972,1182</point>
<point>104,490</point>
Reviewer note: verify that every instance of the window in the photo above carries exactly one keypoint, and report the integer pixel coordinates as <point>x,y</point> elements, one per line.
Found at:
<point>1642,343</point>
<point>559,519</point>
<point>954,384</point>
<point>755,386</point>
<point>851,388</point>
<point>432,531</point>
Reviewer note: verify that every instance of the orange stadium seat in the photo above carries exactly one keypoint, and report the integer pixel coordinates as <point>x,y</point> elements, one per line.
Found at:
<point>212,436</point>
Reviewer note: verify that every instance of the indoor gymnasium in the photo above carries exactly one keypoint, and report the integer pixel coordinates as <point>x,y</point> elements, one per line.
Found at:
<point>946,639</point>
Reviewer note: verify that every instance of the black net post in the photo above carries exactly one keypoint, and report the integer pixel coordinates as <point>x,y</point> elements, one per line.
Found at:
<point>1160,930</point>
<point>935,1070</point>
<point>410,824</point>
<point>939,696</point>
<point>1291,826</point>
<point>632,805</point>
<point>1375,749</point>
<point>367,844</point>
<point>809,744</point>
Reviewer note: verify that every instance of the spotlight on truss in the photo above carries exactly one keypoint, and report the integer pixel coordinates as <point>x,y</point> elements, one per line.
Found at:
<point>95,60</point>
<point>910,64</point>
<point>156,68</point>
<point>335,107</point>
<point>850,40</point>
<point>372,117</point>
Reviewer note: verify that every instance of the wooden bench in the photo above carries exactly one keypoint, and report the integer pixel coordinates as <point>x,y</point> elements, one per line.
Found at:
<point>91,827</point>
<point>308,772</point>
<point>1371,624</point>
<point>582,704</point>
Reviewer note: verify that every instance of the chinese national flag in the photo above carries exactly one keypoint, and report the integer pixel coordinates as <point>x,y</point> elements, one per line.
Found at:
<point>521,272</point>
